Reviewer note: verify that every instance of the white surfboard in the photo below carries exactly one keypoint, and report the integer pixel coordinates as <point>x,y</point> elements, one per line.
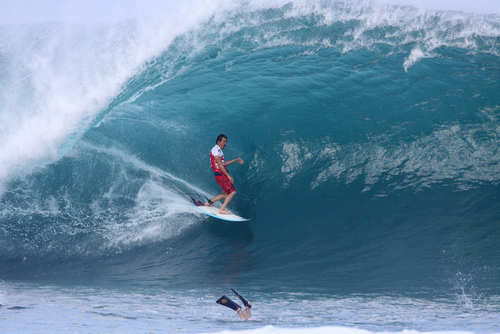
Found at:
<point>214,212</point>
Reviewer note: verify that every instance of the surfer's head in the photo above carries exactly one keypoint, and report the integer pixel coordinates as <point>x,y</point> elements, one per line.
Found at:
<point>220,138</point>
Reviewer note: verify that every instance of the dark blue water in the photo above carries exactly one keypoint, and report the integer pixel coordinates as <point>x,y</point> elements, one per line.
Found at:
<point>370,136</point>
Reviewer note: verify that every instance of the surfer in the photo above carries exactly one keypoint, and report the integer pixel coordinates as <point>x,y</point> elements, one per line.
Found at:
<point>225,181</point>
<point>225,301</point>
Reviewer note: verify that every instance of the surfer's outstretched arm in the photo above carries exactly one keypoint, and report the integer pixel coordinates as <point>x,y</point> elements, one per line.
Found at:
<point>239,160</point>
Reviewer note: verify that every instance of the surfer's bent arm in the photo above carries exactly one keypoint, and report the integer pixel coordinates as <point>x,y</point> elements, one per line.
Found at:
<point>223,169</point>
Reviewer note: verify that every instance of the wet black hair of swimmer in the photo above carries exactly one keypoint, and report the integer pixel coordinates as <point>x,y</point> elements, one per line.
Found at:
<point>228,302</point>
<point>241,298</point>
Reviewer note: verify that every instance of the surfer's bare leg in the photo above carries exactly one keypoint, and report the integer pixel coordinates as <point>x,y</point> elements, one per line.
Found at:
<point>226,202</point>
<point>241,314</point>
<point>248,305</point>
<point>248,314</point>
<point>215,199</point>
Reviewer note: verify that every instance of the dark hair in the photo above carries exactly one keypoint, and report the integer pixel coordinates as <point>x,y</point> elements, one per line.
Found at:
<point>220,137</point>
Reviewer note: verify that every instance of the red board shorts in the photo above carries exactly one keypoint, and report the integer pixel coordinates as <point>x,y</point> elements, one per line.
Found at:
<point>225,184</point>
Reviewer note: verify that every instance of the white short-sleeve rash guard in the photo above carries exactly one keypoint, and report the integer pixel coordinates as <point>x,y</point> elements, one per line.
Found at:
<point>216,151</point>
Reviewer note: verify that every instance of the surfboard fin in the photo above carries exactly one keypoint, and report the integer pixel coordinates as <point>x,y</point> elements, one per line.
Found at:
<point>228,303</point>
<point>241,298</point>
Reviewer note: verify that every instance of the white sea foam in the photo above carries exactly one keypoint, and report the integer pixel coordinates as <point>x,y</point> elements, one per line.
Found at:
<point>328,330</point>
<point>415,56</point>
<point>159,214</point>
<point>160,211</point>
<point>61,78</point>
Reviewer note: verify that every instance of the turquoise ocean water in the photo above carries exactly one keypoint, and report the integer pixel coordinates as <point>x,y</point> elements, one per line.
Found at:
<point>371,140</point>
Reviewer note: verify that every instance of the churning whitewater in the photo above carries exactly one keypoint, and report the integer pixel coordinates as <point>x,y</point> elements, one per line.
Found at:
<point>371,140</point>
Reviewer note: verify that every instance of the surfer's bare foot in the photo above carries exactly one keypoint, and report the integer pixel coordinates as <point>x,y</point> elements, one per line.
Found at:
<point>208,204</point>
<point>224,212</point>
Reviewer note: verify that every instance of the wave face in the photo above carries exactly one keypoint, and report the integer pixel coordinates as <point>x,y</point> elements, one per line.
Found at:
<point>370,136</point>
